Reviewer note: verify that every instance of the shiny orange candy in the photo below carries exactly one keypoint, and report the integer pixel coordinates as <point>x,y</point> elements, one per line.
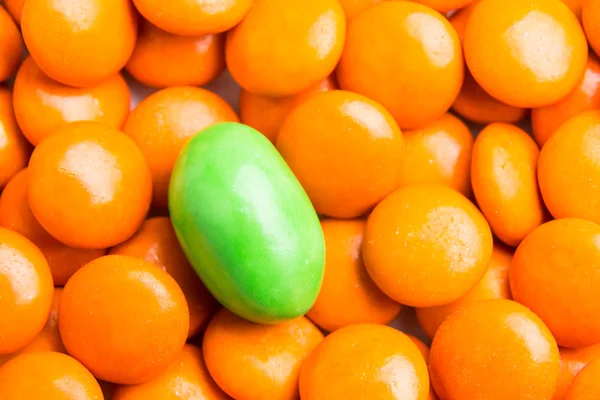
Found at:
<point>55,376</point>
<point>101,37</point>
<point>284,47</point>
<point>348,295</point>
<point>14,149</point>
<point>156,242</point>
<point>572,361</point>
<point>504,179</point>
<point>11,45</point>
<point>186,376</point>
<point>253,361</point>
<point>493,285</point>
<point>344,149</point>
<point>426,245</point>
<point>555,274</point>
<point>365,361</point>
<point>417,84</point>
<point>494,350</point>
<point>161,59</point>
<point>266,114</point>
<point>438,153</point>
<point>526,54</point>
<point>42,105</point>
<point>124,319</point>
<point>585,97</point>
<point>569,167</point>
<point>25,291</point>
<point>163,122</point>
<point>194,18</point>
<point>89,186</point>
<point>586,384</point>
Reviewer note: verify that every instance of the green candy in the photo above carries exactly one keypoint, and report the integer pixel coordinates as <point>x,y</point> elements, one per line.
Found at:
<point>246,225</point>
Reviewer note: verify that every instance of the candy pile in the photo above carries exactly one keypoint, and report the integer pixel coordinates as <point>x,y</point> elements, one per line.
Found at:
<point>183,250</point>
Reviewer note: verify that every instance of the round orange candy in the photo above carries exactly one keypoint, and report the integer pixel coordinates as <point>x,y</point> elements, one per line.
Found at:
<point>14,7</point>
<point>163,122</point>
<point>445,5</point>
<point>11,45</point>
<point>161,59</point>
<point>493,285</point>
<point>186,376</point>
<point>354,7</point>
<point>266,114</point>
<point>48,339</point>
<point>101,37</point>
<point>16,214</point>
<point>494,350</point>
<point>156,242</point>
<point>283,47</point>
<point>25,291</point>
<point>424,349</point>
<point>125,319</point>
<point>569,167</point>
<point>54,376</point>
<point>586,384</point>
<point>503,175</point>
<point>526,54</point>
<point>344,149</point>
<point>555,274</point>
<point>418,84</point>
<point>42,105</point>
<point>585,97</point>
<point>194,18</point>
<point>365,361</point>
<point>426,245</point>
<point>14,149</point>
<point>590,17</point>
<point>89,186</point>
<point>572,362</point>
<point>438,153</point>
<point>252,361</point>
<point>348,296</point>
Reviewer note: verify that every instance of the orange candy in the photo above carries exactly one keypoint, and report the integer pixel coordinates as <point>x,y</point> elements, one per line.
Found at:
<point>254,362</point>
<point>156,242</point>
<point>89,186</point>
<point>54,376</point>
<point>48,339</point>
<point>586,384</point>
<point>426,245</point>
<point>42,105</point>
<point>101,37</point>
<point>161,59</point>
<point>571,363</point>
<point>14,7</point>
<point>16,214</point>
<point>503,174</point>
<point>14,149</point>
<point>569,167</point>
<point>283,47</point>
<point>417,84</point>
<point>586,96</point>
<point>354,7</point>
<point>526,54</point>
<point>11,45</point>
<point>365,361</point>
<point>438,153</point>
<point>591,23</point>
<point>186,376</point>
<point>348,296</point>
<point>162,124</point>
<point>125,319</point>
<point>344,149</point>
<point>25,291</point>
<point>494,350</point>
<point>266,114</point>
<point>493,285</point>
<point>194,18</point>
<point>555,274</point>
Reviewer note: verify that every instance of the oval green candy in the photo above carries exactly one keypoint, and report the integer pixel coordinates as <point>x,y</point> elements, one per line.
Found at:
<point>246,224</point>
